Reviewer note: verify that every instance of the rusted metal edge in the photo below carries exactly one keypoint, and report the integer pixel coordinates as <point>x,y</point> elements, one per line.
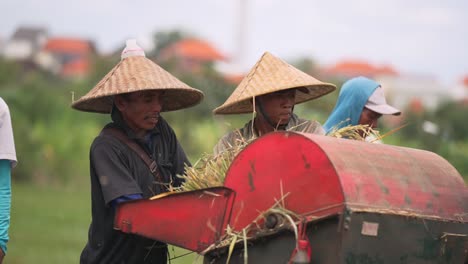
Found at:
<point>365,208</point>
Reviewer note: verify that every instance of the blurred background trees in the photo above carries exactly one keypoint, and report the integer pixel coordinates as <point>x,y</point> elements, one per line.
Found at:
<point>53,140</point>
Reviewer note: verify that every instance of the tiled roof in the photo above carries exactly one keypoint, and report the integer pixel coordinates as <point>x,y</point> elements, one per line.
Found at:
<point>234,78</point>
<point>76,68</point>
<point>195,49</point>
<point>351,68</point>
<point>69,45</point>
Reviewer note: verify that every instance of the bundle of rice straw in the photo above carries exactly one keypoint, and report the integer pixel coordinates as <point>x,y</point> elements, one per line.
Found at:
<point>361,132</point>
<point>210,170</point>
<point>357,132</point>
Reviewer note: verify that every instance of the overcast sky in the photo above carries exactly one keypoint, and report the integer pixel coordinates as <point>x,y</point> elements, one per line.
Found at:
<point>415,36</point>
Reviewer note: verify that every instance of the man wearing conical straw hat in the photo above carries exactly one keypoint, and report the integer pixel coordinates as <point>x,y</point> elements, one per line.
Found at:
<point>270,90</point>
<point>136,156</point>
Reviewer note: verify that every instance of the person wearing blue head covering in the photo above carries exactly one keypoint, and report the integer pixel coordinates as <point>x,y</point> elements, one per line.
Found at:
<point>361,102</point>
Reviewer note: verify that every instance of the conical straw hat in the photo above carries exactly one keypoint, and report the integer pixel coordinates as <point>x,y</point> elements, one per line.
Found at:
<point>271,74</point>
<point>137,73</point>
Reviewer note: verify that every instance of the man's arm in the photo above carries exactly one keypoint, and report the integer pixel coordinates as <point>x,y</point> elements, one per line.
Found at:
<point>115,178</point>
<point>125,198</point>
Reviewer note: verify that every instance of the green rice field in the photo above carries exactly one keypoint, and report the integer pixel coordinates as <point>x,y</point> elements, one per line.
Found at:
<point>50,225</point>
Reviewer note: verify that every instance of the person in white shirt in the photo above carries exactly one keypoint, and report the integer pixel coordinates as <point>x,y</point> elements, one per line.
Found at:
<point>7,162</point>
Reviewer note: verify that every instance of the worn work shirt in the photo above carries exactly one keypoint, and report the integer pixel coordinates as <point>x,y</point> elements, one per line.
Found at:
<point>7,142</point>
<point>116,170</point>
<point>248,132</point>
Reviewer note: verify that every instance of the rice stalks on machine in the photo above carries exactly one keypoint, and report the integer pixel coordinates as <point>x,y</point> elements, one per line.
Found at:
<point>287,220</point>
<point>210,170</point>
<point>357,132</point>
<point>360,132</point>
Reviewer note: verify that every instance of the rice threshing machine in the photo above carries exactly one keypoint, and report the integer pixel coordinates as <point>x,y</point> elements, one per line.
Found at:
<point>301,198</point>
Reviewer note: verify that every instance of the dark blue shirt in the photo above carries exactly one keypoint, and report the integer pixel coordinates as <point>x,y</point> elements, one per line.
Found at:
<point>117,171</point>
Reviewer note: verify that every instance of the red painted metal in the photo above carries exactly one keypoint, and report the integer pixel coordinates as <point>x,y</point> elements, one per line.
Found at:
<point>322,175</point>
<point>397,179</point>
<point>192,220</point>
<point>282,165</point>
<point>316,176</point>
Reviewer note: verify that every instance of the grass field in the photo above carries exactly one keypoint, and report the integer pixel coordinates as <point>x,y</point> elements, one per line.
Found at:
<point>50,225</point>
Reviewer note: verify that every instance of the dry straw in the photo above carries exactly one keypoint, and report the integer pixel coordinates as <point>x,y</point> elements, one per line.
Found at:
<point>288,220</point>
<point>210,170</point>
<point>357,132</point>
<point>360,132</point>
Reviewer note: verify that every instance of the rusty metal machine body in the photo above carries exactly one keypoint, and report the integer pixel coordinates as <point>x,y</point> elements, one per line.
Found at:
<point>359,202</point>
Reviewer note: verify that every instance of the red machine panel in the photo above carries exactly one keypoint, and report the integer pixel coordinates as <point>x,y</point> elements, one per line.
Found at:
<point>321,175</point>
<point>283,165</point>
<point>395,179</point>
<point>192,220</point>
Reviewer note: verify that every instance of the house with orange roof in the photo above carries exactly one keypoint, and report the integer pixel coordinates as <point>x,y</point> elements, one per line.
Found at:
<point>401,89</point>
<point>191,54</point>
<point>352,68</point>
<point>67,57</point>
<point>405,89</point>
<point>233,78</point>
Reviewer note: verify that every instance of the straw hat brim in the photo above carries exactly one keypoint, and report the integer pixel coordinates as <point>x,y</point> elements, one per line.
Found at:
<point>246,106</point>
<point>134,74</point>
<point>271,74</point>
<point>173,99</point>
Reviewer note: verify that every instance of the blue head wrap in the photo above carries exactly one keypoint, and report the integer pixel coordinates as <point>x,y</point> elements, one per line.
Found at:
<point>352,99</point>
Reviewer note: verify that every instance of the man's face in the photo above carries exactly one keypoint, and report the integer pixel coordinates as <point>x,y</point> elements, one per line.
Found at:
<point>278,106</point>
<point>369,117</point>
<point>140,110</point>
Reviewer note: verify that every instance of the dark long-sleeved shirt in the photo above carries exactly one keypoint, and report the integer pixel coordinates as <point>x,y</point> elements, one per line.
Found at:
<point>116,171</point>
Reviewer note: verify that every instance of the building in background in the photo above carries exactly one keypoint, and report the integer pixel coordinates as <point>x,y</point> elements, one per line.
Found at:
<point>402,90</point>
<point>25,43</point>
<point>33,49</point>
<point>347,69</point>
<point>191,54</point>
<point>67,57</point>
<point>415,90</point>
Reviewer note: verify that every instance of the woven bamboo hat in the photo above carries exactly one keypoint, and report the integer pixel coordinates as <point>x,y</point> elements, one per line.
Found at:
<point>271,74</point>
<point>137,73</point>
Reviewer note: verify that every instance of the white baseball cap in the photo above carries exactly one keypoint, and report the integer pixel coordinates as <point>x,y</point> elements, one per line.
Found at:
<point>378,104</point>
